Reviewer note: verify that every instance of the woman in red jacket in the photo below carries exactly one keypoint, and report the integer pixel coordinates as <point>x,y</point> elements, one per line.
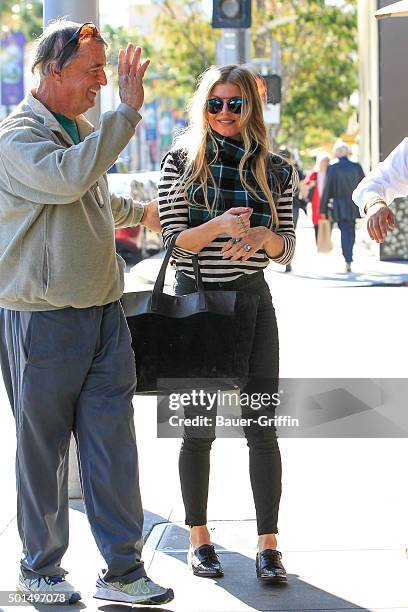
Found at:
<point>316,180</point>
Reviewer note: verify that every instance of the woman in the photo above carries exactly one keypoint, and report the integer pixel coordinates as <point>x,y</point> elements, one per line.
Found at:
<point>316,181</point>
<point>222,159</point>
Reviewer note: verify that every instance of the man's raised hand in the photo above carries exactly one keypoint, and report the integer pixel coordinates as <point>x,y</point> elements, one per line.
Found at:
<point>131,73</point>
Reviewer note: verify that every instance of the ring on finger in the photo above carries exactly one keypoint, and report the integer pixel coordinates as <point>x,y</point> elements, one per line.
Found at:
<point>247,247</point>
<point>235,240</point>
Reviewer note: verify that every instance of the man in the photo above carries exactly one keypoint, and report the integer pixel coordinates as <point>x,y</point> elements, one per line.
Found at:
<point>65,347</point>
<point>389,180</point>
<point>342,178</point>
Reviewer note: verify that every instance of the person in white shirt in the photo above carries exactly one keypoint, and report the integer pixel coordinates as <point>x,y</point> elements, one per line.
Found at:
<point>373,196</point>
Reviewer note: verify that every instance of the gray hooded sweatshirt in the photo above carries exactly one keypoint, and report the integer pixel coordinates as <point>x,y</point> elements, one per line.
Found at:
<point>57,217</point>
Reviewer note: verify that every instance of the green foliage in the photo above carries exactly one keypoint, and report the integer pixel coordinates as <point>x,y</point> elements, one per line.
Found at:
<point>117,39</point>
<point>185,46</point>
<point>22,16</point>
<point>319,60</point>
<point>318,47</point>
<point>319,65</point>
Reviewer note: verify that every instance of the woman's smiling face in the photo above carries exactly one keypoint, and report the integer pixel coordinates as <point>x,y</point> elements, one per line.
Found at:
<point>225,122</point>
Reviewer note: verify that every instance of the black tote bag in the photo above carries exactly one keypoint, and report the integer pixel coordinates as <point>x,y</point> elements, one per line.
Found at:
<point>202,335</point>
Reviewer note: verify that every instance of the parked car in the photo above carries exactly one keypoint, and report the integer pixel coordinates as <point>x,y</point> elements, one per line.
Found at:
<point>136,243</point>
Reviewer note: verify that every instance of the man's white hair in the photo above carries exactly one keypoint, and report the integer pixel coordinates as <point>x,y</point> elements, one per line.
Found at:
<point>340,149</point>
<point>48,46</point>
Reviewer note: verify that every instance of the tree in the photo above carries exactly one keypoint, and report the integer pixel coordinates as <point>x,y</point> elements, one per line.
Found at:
<point>22,16</point>
<point>319,60</point>
<point>186,45</point>
<point>318,45</point>
<point>319,65</point>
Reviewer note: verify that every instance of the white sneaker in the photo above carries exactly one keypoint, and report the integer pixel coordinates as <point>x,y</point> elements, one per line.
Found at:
<point>48,589</point>
<point>141,591</point>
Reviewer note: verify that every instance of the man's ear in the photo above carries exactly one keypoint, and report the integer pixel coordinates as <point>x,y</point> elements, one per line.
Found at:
<point>54,72</point>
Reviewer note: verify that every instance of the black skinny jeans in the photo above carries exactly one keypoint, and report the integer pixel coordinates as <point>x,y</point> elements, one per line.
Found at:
<point>265,467</point>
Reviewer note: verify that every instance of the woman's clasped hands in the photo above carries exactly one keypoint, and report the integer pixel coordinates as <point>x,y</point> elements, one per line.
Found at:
<point>246,246</point>
<point>245,240</point>
<point>235,221</point>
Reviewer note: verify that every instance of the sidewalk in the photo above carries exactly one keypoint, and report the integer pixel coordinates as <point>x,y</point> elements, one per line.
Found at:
<point>343,526</point>
<point>310,269</point>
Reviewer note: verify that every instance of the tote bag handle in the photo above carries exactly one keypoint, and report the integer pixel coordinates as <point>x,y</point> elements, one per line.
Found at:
<point>159,284</point>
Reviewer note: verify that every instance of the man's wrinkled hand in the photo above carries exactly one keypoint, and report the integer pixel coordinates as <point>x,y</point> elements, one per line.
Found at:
<point>150,217</point>
<point>381,218</point>
<point>131,73</point>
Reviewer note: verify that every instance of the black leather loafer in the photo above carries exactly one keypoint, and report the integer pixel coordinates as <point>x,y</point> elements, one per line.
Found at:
<point>204,562</point>
<point>269,566</point>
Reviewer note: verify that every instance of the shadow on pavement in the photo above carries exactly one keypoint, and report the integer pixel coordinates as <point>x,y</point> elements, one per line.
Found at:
<point>105,607</point>
<point>354,279</point>
<point>121,608</point>
<point>150,518</point>
<point>240,581</point>
<point>46,608</point>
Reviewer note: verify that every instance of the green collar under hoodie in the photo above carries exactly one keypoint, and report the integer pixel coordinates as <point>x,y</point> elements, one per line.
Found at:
<point>69,126</point>
<point>57,218</point>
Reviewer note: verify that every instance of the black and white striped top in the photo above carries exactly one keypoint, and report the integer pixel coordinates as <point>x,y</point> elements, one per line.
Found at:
<point>174,217</point>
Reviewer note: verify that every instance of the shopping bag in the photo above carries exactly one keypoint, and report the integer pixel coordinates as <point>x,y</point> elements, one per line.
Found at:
<point>324,242</point>
<point>201,335</point>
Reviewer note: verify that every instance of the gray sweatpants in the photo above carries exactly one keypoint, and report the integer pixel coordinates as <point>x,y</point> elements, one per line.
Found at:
<point>73,370</point>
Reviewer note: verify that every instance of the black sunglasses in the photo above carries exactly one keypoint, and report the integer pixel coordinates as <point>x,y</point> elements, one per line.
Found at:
<point>215,105</point>
<point>84,31</point>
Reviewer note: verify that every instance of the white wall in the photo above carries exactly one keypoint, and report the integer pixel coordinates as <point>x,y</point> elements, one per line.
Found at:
<point>369,146</point>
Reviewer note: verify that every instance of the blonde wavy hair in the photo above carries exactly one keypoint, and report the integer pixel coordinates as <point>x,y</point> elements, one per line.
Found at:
<point>193,140</point>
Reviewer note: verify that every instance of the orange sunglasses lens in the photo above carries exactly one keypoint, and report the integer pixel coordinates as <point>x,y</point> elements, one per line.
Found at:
<point>88,31</point>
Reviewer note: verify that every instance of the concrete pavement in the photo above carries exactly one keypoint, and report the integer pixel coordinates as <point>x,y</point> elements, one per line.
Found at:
<point>310,269</point>
<point>343,527</point>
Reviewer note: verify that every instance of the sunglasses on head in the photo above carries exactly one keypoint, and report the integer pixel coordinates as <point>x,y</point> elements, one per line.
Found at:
<point>216,105</point>
<point>86,30</point>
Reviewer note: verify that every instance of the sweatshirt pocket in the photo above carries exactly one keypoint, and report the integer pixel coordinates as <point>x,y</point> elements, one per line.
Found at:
<point>46,270</point>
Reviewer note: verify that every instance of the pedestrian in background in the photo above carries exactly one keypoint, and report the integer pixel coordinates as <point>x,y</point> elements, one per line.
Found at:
<point>341,180</point>
<point>65,348</point>
<point>316,180</point>
<point>223,159</point>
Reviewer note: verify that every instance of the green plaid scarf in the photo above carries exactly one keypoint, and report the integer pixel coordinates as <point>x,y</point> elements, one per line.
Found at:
<point>223,165</point>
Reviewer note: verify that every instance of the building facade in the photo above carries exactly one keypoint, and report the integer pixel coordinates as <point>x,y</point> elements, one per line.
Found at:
<point>383,104</point>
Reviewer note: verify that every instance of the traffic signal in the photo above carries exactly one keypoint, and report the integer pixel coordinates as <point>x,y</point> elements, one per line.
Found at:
<point>273,88</point>
<point>231,14</point>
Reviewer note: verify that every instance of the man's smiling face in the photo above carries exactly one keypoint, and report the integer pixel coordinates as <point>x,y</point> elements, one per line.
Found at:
<point>83,77</point>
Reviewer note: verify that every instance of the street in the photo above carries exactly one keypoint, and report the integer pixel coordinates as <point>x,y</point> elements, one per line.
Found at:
<point>343,530</point>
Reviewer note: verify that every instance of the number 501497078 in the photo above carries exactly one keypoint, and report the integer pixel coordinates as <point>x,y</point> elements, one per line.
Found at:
<point>18,598</point>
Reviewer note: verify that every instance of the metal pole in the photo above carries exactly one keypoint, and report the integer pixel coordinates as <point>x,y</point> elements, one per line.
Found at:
<point>233,47</point>
<point>243,36</point>
<point>229,47</point>
<point>80,11</point>
<point>276,57</point>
